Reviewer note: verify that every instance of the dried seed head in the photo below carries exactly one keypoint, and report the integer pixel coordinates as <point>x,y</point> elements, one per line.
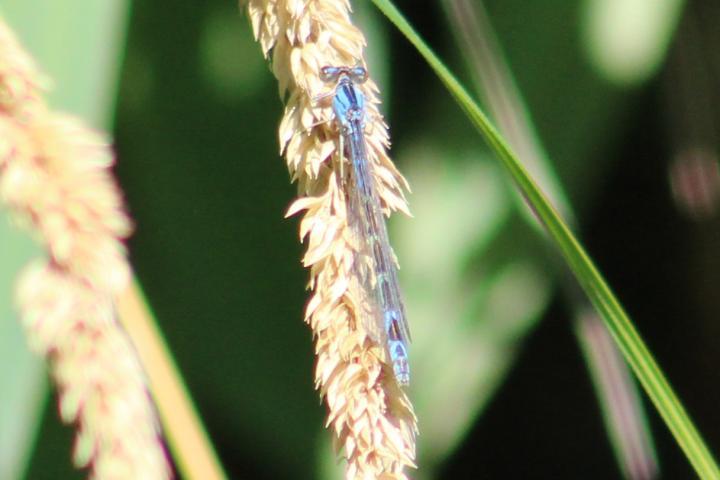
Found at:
<point>371,417</point>
<point>55,177</point>
<point>20,80</point>
<point>100,381</point>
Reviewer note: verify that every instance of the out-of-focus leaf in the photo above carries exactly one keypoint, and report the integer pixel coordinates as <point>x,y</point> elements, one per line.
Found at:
<point>78,44</point>
<point>626,40</point>
<point>22,380</point>
<point>463,268</point>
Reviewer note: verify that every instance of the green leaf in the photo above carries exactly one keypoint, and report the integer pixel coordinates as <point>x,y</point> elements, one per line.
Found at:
<point>626,41</point>
<point>22,378</point>
<point>78,45</point>
<point>636,353</point>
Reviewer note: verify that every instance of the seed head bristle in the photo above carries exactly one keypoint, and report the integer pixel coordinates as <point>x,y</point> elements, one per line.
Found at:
<point>55,178</point>
<point>371,417</point>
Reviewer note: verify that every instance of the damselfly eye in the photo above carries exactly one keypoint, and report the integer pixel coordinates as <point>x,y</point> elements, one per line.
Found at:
<point>358,74</point>
<point>329,74</point>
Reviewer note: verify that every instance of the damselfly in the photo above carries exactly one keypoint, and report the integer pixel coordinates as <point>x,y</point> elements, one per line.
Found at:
<point>367,221</point>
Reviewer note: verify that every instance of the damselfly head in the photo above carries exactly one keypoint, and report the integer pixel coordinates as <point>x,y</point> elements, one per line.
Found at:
<point>330,74</point>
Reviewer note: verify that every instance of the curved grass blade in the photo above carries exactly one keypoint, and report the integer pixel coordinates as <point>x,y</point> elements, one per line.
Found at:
<point>616,390</point>
<point>632,346</point>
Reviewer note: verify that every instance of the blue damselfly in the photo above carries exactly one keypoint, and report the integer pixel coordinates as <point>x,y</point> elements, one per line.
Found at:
<point>366,219</point>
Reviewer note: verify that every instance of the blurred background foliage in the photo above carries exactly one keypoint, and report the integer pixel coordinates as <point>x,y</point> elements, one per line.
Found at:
<point>623,95</point>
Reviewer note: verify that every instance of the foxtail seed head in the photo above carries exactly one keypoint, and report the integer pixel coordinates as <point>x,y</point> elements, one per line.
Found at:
<point>371,418</point>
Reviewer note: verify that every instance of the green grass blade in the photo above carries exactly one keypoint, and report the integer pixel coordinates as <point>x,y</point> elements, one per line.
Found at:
<point>636,353</point>
<point>622,412</point>
<point>617,393</point>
